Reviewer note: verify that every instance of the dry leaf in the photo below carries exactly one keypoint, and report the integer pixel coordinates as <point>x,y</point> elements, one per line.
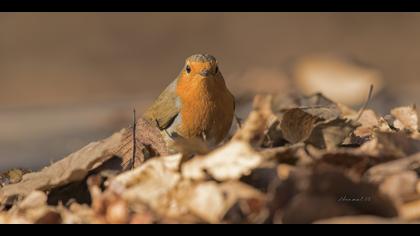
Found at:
<point>400,186</point>
<point>352,161</point>
<point>368,121</point>
<point>34,200</point>
<point>333,170</point>
<point>390,145</point>
<point>12,176</point>
<point>284,154</point>
<point>297,125</point>
<point>253,130</point>
<point>149,143</point>
<point>300,117</point>
<point>207,202</point>
<point>360,219</point>
<point>78,165</point>
<point>324,193</point>
<point>410,211</point>
<point>245,204</point>
<point>6,218</point>
<point>316,120</point>
<point>307,208</point>
<point>79,214</point>
<point>75,167</point>
<point>229,162</point>
<point>317,126</point>
<point>332,134</point>
<point>150,182</point>
<point>380,172</point>
<point>406,118</point>
<point>33,210</point>
<point>211,201</point>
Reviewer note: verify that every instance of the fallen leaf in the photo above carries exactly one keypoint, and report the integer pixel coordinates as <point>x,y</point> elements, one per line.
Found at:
<point>244,203</point>
<point>150,182</point>
<point>320,127</point>
<point>207,202</point>
<point>75,167</point>
<point>297,159</point>
<point>410,211</point>
<point>80,214</point>
<point>34,200</point>
<point>307,208</point>
<point>368,120</point>
<point>406,118</point>
<point>149,143</point>
<point>297,125</point>
<point>298,118</point>
<point>367,198</point>
<point>117,213</point>
<point>332,134</point>
<point>253,130</point>
<point>33,210</point>
<point>361,219</point>
<point>284,154</point>
<point>211,201</point>
<point>12,176</point>
<point>326,192</point>
<point>391,144</point>
<point>379,173</point>
<point>229,162</point>
<point>400,186</point>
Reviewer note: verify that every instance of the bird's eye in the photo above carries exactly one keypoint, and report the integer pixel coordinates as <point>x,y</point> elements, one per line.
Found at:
<point>188,69</point>
<point>217,69</point>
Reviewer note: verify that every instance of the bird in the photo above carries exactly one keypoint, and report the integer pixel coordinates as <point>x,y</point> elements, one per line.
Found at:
<point>196,105</point>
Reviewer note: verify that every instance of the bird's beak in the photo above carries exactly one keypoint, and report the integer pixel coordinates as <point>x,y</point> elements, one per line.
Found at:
<point>205,73</point>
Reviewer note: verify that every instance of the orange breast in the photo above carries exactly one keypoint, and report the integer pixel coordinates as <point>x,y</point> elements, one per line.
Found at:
<point>206,107</point>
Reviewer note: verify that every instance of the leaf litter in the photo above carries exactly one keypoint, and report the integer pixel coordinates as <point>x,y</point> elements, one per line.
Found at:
<point>295,159</point>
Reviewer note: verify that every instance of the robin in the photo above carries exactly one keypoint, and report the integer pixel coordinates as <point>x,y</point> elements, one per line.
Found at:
<point>197,104</point>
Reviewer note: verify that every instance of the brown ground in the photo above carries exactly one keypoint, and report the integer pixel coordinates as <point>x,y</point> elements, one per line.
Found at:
<point>70,78</point>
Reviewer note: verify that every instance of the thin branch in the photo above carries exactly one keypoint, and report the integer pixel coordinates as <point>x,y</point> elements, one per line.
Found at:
<point>366,103</point>
<point>134,139</point>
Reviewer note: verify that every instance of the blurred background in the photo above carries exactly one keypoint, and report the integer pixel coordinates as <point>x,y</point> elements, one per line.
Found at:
<point>70,78</point>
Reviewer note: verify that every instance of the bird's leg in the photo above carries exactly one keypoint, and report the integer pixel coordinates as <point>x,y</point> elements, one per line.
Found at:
<point>204,136</point>
<point>238,121</point>
<point>158,125</point>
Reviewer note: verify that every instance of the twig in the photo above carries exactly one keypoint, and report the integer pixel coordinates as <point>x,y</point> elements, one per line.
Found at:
<point>134,139</point>
<point>366,103</point>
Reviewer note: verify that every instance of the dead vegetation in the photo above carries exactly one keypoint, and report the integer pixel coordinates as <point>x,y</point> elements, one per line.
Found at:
<point>294,160</point>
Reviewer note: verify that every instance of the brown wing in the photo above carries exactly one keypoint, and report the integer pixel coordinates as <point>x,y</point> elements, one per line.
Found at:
<point>165,108</point>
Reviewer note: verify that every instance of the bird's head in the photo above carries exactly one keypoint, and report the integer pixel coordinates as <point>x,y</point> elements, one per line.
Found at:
<point>200,66</point>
